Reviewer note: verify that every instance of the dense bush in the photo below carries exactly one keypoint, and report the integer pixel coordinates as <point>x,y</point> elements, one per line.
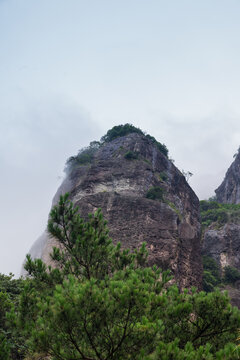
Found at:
<point>231,275</point>
<point>120,130</point>
<point>12,342</point>
<point>211,274</point>
<point>214,212</point>
<point>163,176</point>
<point>161,147</point>
<point>131,155</point>
<point>102,302</point>
<point>155,193</point>
<point>209,205</point>
<point>84,156</point>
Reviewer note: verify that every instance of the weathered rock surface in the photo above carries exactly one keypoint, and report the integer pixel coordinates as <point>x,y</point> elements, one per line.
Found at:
<point>229,191</point>
<point>171,227</point>
<point>234,294</point>
<point>223,245</point>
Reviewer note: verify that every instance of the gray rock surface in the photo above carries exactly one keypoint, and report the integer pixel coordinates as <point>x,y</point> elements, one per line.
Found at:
<point>223,245</point>
<point>171,228</point>
<point>229,191</point>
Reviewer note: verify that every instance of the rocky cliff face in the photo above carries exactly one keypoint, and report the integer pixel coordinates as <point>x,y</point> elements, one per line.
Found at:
<point>170,226</point>
<point>229,191</point>
<point>223,245</point>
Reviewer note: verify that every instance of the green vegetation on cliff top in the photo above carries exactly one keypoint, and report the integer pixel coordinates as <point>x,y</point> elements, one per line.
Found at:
<point>86,155</point>
<point>220,214</point>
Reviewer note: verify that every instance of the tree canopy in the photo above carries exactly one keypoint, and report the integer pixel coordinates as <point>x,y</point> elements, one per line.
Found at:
<point>102,302</point>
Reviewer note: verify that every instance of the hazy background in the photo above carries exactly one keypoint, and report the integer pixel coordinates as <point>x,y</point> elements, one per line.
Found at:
<point>72,69</point>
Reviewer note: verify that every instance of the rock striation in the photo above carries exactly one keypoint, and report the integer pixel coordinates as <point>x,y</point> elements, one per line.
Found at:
<point>229,191</point>
<point>118,184</point>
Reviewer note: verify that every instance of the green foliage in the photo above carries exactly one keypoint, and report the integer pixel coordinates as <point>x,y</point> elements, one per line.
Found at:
<point>5,305</point>
<point>214,212</point>
<point>120,130</point>
<point>211,274</point>
<point>108,325</point>
<point>129,316</point>
<point>131,155</point>
<point>161,147</point>
<point>102,302</point>
<point>86,249</point>
<point>85,156</point>
<point>199,318</point>
<point>13,287</point>
<point>11,344</point>
<point>163,176</point>
<point>231,275</point>
<point>175,209</point>
<point>209,205</point>
<point>4,348</point>
<point>172,351</point>
<point>155,193</point>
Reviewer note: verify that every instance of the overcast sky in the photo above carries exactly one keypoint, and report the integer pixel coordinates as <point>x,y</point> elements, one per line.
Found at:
<point>72,69</point>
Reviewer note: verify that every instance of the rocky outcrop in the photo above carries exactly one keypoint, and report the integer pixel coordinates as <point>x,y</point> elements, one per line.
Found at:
<point>229,191</point>
<point>223,245</point>
<point>234,293</point>
<point>170,226</point>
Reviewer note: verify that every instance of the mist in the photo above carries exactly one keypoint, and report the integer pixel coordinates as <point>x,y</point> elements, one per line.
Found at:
<point>72,70</point>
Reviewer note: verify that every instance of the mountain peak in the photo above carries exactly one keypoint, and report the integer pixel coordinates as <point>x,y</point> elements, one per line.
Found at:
<point>229,190</point>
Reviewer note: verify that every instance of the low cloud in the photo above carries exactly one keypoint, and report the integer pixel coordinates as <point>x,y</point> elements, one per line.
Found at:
<point>204,146</point>
<point>35,142</point>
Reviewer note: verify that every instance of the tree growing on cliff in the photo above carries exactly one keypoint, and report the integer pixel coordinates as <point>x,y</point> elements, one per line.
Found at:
<point>102,302</point>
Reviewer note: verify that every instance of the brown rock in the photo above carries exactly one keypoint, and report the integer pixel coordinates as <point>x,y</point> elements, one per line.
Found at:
<point>118,186</point>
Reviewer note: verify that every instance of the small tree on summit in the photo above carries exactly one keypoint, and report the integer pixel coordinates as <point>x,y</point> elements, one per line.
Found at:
<point>120,130</point>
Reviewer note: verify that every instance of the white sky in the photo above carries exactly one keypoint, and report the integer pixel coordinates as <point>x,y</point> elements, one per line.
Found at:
<point>72,69</point>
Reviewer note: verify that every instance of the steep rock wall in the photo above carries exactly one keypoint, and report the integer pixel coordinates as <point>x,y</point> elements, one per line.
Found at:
<point>229,191</point>
<point>170,227</point>
<point>223,245</point>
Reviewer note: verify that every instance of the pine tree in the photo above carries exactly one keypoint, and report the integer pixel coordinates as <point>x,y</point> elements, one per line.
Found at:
<point>103,303</point>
